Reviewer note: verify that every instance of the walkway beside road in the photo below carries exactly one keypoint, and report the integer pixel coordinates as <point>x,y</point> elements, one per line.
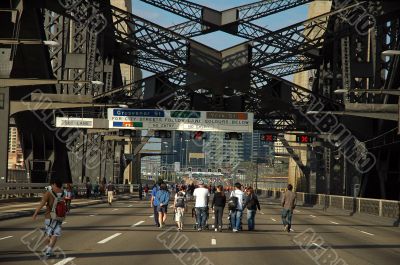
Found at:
<point>25,208</point>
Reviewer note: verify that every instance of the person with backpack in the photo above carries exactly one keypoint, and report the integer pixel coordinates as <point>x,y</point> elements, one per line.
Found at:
<point>218,205</point>
<point>56,210</point>
<point>235,205</point>
<point>163,198</point>
<point>110,192</point>
<point>180,207</point>
<point>252,204</point>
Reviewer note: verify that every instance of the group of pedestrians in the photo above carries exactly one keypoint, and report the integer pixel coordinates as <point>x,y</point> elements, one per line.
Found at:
<point>56,200</point>
<point>239,200</point>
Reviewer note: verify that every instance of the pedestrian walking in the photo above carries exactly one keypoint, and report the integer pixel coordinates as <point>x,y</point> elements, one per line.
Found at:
<point>88,188</point>
<point>55,214</point>
<point>140,191</point>
<point>180,207</point>
<point>110,192</point>
<point>163,198</point>
<point>235,205</point>
<point>201,205</point>
<point>251,204</point>
<point>218,206</point>
<point>288,204</point>
<point>68,196</point>
<point>154,202</point>
<point>146,191</point>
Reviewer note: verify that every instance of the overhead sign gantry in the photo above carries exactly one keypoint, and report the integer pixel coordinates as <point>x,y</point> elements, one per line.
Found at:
<point>181,120</point>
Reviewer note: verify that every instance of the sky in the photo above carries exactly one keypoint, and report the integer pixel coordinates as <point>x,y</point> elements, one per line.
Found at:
<point>219,40</point>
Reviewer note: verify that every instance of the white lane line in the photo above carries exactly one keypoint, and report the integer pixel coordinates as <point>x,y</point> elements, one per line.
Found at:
<point>130,205</point>
<point>105,240</point>
<point>93,215</point>
<point>151,216</point>
<point>313,216</point>
<point>64,222</point>
<point>138,223</point>
<point>332,222</point>
<point>319,246</point>
<point>6,237</point>
<point>296,211</point>
<point>273,219</point>
<point>65,261</point>
<point>213,241</point>
<point>366,233</point>
<point>115,209</point>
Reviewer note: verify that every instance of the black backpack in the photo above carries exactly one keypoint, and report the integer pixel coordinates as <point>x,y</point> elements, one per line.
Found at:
<point>180,200</point>
<point>233,203</point>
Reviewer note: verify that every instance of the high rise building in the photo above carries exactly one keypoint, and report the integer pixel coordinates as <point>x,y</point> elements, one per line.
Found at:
<point>15,155</point>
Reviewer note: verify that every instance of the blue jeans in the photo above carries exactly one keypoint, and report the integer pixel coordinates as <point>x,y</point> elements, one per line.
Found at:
<point>287,217</point>
<point>201,216</point>
<point>236,219</point>
<point>251,214</point>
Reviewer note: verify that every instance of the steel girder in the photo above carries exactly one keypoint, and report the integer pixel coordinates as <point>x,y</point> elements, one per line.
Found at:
<point>194,12</point>
<point>265,8</point>
<point>308,35</point>
<point>183,8</point>
<point>141,34</point>
<point>76,39</point>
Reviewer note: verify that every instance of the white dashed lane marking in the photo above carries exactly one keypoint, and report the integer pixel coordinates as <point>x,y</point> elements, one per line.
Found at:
<point>6,237</point>
<point>105,240</point>
<point>332,222</point>
<point>273,219</point>
<point>366,233</point>
<point>65,261</point>
<point>319,246</point>
<point>138,223</point>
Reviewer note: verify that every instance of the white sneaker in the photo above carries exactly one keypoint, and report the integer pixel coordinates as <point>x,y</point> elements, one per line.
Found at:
<point>216,229</point>
<point>234,230</point>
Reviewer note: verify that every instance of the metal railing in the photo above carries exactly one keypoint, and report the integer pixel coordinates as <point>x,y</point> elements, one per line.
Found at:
<point>28,190</point>
<point>383,208</point>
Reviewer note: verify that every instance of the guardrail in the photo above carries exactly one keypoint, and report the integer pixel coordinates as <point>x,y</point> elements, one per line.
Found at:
<point>29,190</point>
<point>384,208</point>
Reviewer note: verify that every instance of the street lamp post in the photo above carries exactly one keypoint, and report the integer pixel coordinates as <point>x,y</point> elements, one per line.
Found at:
<point>186,155</point>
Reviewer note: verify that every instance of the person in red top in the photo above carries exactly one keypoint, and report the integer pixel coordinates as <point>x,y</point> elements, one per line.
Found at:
<point>146,191</point>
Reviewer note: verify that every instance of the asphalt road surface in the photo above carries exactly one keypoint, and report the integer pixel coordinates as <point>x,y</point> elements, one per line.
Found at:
<point>124,233</point>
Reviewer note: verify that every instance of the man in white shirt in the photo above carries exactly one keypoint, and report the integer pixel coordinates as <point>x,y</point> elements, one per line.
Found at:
<point>236,216</point>
<point>201,194</point>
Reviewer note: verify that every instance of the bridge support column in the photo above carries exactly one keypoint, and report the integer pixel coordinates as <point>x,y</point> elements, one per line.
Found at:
<point>4,131</point>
